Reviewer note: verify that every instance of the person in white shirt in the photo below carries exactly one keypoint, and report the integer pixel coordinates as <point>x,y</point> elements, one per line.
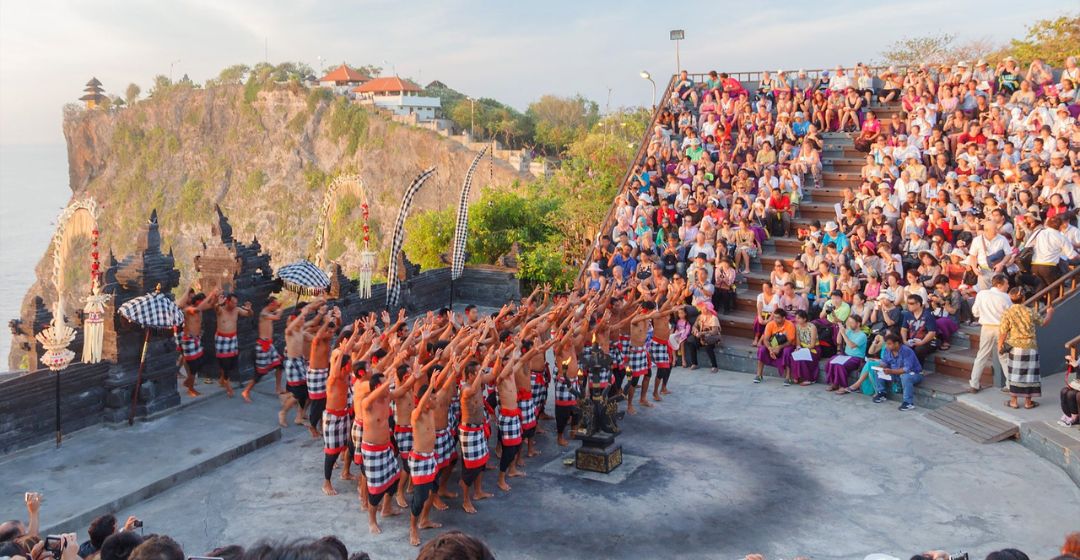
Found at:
<point>904,149</point>
<point>989,245</point>
<point>1051,246</point>
<point>839,81</point>
<point>988,307</point>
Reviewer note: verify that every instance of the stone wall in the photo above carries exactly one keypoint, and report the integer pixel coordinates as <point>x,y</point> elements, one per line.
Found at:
<point>93,394</point>
<point>28,403</point>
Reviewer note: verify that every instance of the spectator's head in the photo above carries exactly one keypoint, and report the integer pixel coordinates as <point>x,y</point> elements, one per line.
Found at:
<point>455,545</point>
<point>157,547</point>
<point>915,303</point>
<point>119,546</point>
<point>892,342</point>
<point>11,530</point>
<point>1000,281</point>
<point>1072,544</point>
<point>779,316</point>
<point>230,552</point>
<point>1017,295</point>
<point>334,544</point>
<point>100,529</point>
<point>1007,554</point>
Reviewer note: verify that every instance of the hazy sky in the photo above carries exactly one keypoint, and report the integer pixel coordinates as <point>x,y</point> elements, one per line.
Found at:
<point>512,51</point>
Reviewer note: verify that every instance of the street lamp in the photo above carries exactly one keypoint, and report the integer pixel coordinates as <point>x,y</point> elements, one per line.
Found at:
<point>677,35</point>
<point>645,74</point>
<point>171,65</point>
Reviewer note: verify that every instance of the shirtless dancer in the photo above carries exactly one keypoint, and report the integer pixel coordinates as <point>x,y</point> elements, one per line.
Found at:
<point>319,366</point>
<point>509,416</point>
<point>191,340</point>
<point>336,419</point>
<point>423,464</point>
<point>523,382</point>
<point>403,395</point>
<point>637,357</point>
<point>226,344</point>
<point>475,430</point>
<point>381,468</point>
<point>298,337</point>
<point>446,442</point>
<point>660,349</point>
<point>266,356</point>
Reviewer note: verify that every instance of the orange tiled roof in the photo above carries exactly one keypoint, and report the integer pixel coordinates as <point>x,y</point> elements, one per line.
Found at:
<point>344,74</point>
<point>382,85</point>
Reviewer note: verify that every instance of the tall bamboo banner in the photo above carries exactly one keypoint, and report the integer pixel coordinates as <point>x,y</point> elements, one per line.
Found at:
<point>393,284</point>
<point>461,229</point>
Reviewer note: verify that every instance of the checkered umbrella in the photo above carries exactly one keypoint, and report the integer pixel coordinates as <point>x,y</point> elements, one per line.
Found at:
<point>304,278</point>
<point>153,311</point>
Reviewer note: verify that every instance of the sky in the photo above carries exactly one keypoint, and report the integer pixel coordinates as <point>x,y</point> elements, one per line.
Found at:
<point>508,50</point>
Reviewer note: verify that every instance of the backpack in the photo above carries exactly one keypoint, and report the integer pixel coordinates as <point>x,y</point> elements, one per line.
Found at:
<point>826,345</point>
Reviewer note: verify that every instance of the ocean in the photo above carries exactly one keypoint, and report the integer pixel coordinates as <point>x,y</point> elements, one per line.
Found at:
<point>33,191</point>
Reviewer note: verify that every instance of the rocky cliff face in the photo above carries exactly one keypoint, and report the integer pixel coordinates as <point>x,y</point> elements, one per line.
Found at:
<point>267,157</point>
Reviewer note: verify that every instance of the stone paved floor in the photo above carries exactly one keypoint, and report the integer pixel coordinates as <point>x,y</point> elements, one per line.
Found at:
<point>727,467</point>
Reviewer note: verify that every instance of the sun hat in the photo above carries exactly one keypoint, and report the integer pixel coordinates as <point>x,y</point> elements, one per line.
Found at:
<point>594,267</point>
<point>830,226</point>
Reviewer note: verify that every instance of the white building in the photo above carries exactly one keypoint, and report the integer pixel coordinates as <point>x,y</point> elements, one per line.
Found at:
<point>402,97</point>
<point>342,79</point>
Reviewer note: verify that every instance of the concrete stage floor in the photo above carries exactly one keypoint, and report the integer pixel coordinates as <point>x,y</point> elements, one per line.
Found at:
<point>720,469</point>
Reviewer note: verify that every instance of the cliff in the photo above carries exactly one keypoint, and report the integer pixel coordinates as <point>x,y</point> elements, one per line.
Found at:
<point>267,156</point>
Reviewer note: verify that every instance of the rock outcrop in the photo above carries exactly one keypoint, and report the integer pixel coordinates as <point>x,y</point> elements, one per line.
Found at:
<point>266,157</point>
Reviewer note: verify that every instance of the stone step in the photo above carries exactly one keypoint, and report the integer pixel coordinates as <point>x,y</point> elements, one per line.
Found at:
<point>823,211</point>
<point>958,363</point>
<point>830,195</point>
<point>842,152</point>
<point>1059,445</point>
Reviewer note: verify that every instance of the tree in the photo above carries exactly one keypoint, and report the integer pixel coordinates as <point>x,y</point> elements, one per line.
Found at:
<point>1050,40</point>
<point>162,85</point>
<point>232,75</point>
<point>935,49</point>
<point>131,94</point>
<point>561,120</point>
<point>428,235</point>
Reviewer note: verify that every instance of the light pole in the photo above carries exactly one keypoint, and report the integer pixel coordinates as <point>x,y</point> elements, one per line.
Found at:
<point>677,35</point>
<point>171,64</point>
<point>645,74</point>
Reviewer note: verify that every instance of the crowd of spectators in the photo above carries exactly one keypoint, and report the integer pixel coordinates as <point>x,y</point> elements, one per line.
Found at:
<point>972,178</point>
<point>106,541</point>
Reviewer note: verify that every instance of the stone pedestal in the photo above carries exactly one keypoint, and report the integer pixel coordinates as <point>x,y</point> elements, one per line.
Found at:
<point>598,453</point>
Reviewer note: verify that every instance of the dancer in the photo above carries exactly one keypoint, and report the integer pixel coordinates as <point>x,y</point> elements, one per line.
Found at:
<point>266,356</point>
<point>194,305</point>
<point>226,344</point>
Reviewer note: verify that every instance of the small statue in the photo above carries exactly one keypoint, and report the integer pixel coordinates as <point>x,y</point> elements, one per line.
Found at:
<point>598,410</point>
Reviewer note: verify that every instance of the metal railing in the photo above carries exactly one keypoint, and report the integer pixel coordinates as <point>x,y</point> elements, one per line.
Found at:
<point>1057,292</point>
<point>609,219</point>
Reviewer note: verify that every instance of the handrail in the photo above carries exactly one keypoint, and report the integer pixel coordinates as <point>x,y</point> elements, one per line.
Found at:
<point>755,75</point>
<point>1046,296</point>
<point>638,156</point>
<point>1073,346</point>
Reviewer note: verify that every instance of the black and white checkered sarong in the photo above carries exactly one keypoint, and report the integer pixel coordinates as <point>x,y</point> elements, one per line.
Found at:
<point>637,361</point>
<point>316,382</point>
<point>356,433</point>
<point>380,466</point>
<point>226,345</point>
<point>335,431</point>
<point>510,426</point>
<point>190,347</point>
<point>445,447</point>
<point>266,356</point>
<point>659,353</point>
<point>423,467</point>
<point>295,372</point>
<point>474,446</point>
<point>403,437</point>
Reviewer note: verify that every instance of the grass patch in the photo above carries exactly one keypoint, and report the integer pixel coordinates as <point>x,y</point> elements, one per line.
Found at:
<point>349,121</point>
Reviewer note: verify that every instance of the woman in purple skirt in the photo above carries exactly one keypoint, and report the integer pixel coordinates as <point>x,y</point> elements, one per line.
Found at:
<point>804,372</point>
<point>852,341</point>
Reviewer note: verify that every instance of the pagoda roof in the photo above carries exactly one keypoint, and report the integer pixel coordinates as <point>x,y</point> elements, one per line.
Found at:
<point>382,85</point>
<point>93,83</point>
<point>344,74</point>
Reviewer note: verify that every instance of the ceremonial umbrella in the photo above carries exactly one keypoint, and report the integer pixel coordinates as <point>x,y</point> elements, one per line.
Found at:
<point>151,311</point>
<point>304,278</point>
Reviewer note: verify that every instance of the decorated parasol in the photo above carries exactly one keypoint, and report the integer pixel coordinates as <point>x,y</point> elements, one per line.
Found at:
<point>304,278</point>
<point>151,311</point>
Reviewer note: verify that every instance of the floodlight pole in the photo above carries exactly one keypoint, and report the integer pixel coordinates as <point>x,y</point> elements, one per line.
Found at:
<point>677,35</point>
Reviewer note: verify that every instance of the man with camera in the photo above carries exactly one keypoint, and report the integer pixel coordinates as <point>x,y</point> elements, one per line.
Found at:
<point>102,528</point>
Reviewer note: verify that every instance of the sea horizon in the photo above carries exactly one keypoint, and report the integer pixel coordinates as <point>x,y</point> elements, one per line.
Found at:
<point>33,191</point>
